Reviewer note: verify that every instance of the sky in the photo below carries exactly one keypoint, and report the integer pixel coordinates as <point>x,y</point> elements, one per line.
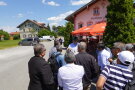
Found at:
<point>14,12</point>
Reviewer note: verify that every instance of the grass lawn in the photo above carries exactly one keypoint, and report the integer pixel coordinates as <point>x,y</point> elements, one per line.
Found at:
<point>8,43</point>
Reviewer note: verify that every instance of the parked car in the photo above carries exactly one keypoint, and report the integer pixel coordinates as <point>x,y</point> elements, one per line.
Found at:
<point>28,42</point>
<point>48,38</point>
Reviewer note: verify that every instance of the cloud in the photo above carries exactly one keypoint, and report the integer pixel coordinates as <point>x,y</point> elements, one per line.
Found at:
<point>9,28</point>
<point>52,3</point>
<point>43,1</point>
<point>20,15</point>
<point>79,2</point>
<point>60,17</point>
<point>51,24</point>
<point>2,3</point>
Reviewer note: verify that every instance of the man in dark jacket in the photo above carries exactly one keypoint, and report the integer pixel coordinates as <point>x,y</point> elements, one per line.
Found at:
<point>89,63</point>
<point>41,77</point>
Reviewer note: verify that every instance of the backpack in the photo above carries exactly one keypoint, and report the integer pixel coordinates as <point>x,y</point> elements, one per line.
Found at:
<point>54,64</point>
<point>131,85</point>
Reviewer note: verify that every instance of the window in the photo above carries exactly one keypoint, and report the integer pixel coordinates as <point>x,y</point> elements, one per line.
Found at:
<point>80,25</point>
<point>29,35</point>
<point>89,23</point>
<point>24,36</point>
<point>96,11</point>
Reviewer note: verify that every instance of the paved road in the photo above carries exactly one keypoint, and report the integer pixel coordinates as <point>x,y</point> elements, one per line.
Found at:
<point>14,66</point>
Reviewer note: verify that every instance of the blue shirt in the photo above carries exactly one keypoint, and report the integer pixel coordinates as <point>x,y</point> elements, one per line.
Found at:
<point>60,58</point>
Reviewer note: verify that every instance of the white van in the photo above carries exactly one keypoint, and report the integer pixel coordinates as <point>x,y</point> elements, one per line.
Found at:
<point>49,38</point>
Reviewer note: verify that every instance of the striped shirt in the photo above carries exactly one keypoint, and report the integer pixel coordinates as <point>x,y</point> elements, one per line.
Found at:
<point>116,77</point>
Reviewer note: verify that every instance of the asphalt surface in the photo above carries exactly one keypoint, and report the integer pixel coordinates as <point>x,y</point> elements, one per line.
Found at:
<point>14,66</point>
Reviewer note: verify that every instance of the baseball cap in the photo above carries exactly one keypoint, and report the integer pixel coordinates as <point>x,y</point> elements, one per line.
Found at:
<point>126,57</point>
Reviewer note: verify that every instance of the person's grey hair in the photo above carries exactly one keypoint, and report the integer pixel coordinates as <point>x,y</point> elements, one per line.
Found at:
<point>38,49</point>
<point>59,48</point>
<point>82,46</point>
<point>69,56</point>
<point>119,45</point>
<point>129,46</point>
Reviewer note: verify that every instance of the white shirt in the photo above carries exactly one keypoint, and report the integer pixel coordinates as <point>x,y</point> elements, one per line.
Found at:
<point>103,57</point>
<point>70,77</point>
<point>74,48</point>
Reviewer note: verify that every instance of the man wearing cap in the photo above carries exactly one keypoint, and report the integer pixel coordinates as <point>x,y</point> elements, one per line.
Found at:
<point>129,47</point>
<point>115,77</point>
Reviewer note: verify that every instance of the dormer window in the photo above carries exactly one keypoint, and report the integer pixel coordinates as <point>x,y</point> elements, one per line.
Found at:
<point>96,11</point>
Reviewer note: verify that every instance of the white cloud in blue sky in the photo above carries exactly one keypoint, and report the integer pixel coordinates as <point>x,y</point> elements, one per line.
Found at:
<point>20,15</point>
<point>60,17</point>
<point>2,3</point>
<point>51,3</point>
<point>79,2</point>
<point>57,19</point>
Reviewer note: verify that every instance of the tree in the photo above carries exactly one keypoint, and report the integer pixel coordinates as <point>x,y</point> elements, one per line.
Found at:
<point>6,35</point>
<point>119,22</point>
<point>67,33</point>
<point>45,32</point>
<point>54,28</point>
<point>48,27</point>
<point>61,31</point>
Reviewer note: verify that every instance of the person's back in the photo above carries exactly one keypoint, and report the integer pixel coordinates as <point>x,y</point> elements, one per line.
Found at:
<point>36,82</point>
<point>88,62</point>
<point>115,77</point>
<point>53,49</point>
<point>71,76</point>
<point>40,73</point>
<point>60,59</point>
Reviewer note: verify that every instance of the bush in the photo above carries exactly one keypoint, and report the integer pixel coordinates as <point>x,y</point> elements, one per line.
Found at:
<point>16,37</point>
<point>6,35</point>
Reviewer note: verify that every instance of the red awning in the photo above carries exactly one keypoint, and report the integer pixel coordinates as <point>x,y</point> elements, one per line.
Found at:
<point>93,30</point>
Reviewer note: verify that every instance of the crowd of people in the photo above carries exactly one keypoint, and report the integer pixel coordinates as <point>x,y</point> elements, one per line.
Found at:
<point>76,69</point>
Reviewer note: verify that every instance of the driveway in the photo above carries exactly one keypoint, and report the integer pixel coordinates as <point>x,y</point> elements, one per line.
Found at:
<point>14,66</point>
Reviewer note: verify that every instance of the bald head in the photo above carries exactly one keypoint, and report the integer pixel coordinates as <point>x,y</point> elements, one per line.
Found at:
<point>82,46</point>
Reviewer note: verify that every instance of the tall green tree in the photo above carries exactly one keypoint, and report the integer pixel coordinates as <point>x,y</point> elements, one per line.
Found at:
<point>119,27</point>
<point>54,28</point>
<point>67,33</point>
<point>48,27</point>
<point>61,31</point>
